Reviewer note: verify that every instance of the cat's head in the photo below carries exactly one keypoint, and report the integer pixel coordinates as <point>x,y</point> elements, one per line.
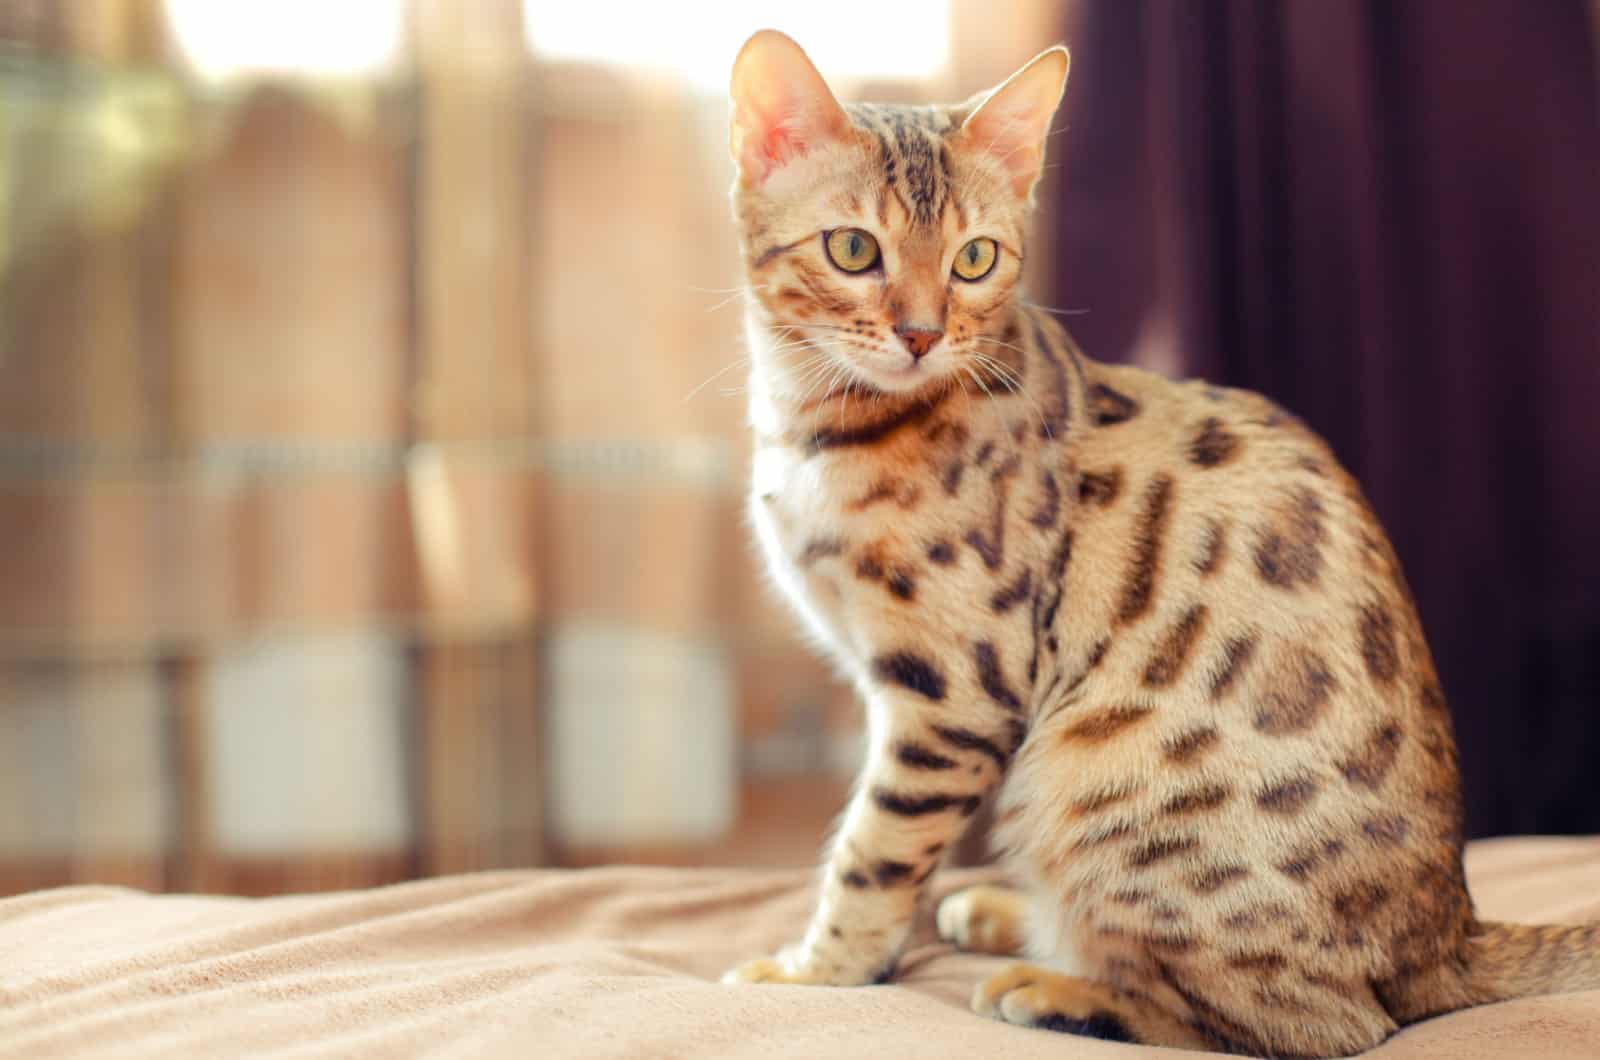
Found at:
<point>883,241</point>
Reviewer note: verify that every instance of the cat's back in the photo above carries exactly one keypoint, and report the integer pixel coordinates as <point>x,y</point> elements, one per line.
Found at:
<point>1190,491</point>
<point>1223,557</point>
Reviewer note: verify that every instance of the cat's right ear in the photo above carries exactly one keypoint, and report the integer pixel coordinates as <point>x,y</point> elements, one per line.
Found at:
<point>1010,124</point>
<point>781,107</point>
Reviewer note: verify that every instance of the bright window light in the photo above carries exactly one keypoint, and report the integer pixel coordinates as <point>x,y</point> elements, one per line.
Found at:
<point>312,38</point>
<point>697,39</point>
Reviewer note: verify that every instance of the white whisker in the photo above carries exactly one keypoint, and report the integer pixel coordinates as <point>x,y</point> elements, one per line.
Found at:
<point>1057,312</point>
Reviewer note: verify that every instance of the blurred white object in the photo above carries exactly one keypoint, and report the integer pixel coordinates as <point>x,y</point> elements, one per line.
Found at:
<point>308,745</point>
<point>310,38</point>
<point>641,736</point>
<point>696,40</point>
<point>83,763</point>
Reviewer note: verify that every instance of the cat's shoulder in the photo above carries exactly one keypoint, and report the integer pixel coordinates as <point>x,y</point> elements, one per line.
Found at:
<point>1198,424</point>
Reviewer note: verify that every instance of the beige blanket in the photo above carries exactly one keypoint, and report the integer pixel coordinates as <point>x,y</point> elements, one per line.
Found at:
<point>611,962</point>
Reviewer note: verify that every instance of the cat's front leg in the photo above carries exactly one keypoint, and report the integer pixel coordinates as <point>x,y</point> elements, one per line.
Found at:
<point>928,769</point>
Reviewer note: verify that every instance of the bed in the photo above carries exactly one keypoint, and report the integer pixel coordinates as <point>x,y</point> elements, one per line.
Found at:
<point>614,962</point>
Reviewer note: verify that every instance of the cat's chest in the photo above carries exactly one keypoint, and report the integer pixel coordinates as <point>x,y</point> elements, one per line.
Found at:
<point>867,549</point>
<point>835,535</point>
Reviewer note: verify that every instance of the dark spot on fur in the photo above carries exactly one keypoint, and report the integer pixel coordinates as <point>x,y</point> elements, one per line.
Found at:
<point>1357,903</point>
<point>1044,516</point>
<point>967,740</point>
<point>1008,596</point>
<point>1148,536</point>
<point>951,479</point>
<point>1289,548</point>
<point>991,546</point>
<point>879,430</point>
<point>1370,764</point>
<point>921,805</point>
<point>904,494</point>
<point>1214,445</point>
<point>1197,800</point>
<point>1108,407</point>
<point>1212,549</point>
<point>1264,962</point>
<point>1236,655</point>
<point>911,672</point>
<point>1101,725</point>
<point>1153,851</point>
<point>1107,834</point>
<point>1309,860</point>
<point>1386,829</point>
<point>991,679</point>
<point>1297,694</point>
<point>942,553</point>
<point>1288,796</point>
<point>1101,800</point>
<point>915,756</point>
<point>1211,880</point>
<point>1190,745</point>
<point>1173,652</point>
<point>1100,488</point>
<point>1378,644</point>
<point>901,583</point>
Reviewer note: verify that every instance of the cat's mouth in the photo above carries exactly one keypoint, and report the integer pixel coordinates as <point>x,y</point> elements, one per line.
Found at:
<point>898,372</point>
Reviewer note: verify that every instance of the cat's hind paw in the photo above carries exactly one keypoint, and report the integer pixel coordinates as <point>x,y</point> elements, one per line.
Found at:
<point>983,919</point>
<point>1034,997</point>
<point>1030,996</point>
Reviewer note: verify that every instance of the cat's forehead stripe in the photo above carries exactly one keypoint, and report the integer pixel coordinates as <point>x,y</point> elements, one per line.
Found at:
<point>912,149</point>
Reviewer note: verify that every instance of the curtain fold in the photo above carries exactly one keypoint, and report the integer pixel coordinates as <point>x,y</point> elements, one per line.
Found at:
<point>1385,216</point>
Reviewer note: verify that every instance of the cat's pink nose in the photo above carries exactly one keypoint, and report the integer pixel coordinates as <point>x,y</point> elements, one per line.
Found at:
<point>919,340</point>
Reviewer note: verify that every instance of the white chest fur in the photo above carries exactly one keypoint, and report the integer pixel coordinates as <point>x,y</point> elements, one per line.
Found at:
<point>798,520</point>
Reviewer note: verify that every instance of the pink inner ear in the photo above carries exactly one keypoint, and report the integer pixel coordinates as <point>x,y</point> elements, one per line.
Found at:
<point>776,139</point>
<point>779,144</point>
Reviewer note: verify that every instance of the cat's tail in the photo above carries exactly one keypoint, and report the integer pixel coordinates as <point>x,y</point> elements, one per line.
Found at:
<point>1515,960</point>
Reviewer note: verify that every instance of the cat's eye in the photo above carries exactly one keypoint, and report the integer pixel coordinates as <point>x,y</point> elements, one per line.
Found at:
<point>851,249</point>
<point>975,260</point>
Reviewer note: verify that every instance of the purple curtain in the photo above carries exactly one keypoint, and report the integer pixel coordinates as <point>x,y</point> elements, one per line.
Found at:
<point>1386,216</point>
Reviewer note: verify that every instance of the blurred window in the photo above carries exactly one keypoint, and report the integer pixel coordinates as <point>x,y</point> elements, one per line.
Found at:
<point>892,39</point>
<point>310,38</point>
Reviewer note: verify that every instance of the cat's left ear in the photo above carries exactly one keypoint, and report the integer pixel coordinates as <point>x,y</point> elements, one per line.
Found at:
<point>1011,122</point>
<point>782,108</point>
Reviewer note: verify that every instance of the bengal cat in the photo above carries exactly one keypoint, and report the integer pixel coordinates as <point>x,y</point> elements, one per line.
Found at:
<point>1158,618</point>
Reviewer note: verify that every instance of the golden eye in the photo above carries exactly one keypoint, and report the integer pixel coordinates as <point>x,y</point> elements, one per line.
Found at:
<point>976,259</point>
<point>851,249</point>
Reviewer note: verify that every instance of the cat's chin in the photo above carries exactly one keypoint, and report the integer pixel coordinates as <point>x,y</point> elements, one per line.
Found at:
<point>898,381</point>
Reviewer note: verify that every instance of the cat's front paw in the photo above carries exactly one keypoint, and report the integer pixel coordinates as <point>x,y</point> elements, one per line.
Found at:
<point>983,919</point>
<point>791,968</point>
<point>764,970</point>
